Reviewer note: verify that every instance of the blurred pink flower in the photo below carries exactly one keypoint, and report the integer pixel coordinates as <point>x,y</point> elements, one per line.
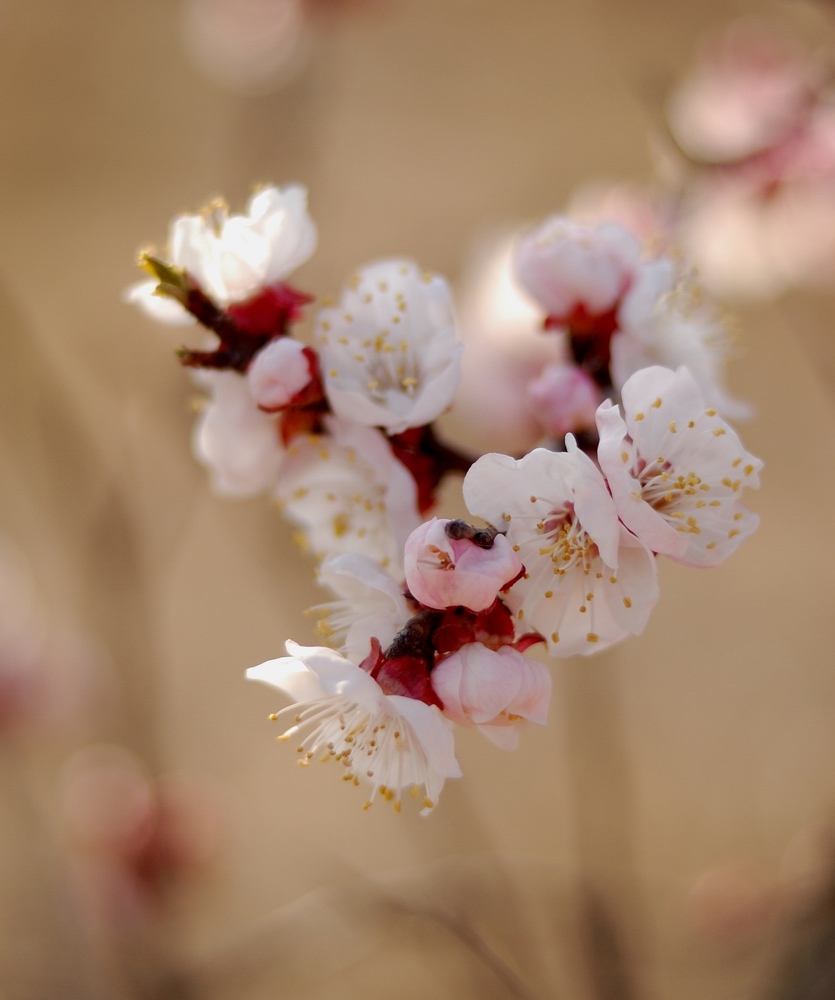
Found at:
<point>564,399</point>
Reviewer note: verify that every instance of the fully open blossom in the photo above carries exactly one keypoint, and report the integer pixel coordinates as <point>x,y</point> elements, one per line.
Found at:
<point>339,711</point>
<point>390,349</point>
<point>496,690</point>
<point>573,270</point>
<point>238,443</point>
<point>349,493</point>
<point>445,571</point>
<point>233,257</point>
<point>588,581</point>
<point>676,469</point>
<point>371,605</point>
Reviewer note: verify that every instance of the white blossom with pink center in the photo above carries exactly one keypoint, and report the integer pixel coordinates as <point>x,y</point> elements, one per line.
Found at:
<point>495,690</point>
<point>570,268</point>
<point>665,319</point>
<point>389,742</point>
<point>371,605</point>
<point>564,399</point>
<point>676,469</point>
<point>238,443</point>
<point>447,572</point>
<point>349,493</point>
<point>279,372</point>
<point>588,583</point>
<point>389,351</point>
<point>232,257</point>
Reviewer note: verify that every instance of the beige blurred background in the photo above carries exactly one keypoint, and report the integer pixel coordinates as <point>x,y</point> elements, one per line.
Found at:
<point>416,125</point>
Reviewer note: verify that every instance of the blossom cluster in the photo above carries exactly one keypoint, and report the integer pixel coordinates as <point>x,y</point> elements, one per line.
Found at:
<point>433,619</point>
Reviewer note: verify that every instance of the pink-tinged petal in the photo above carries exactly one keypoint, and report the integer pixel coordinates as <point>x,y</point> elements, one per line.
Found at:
<point>564,399</point>
<point>616,455</point>
<point>278,373</point>
<point>481,686</point>
<point>567,267</point>
<point>688,466</point>
<point>593,503</point>
<point>442,572</point>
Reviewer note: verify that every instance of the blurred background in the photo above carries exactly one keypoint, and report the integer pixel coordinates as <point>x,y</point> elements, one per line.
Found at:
<point>668,835</point>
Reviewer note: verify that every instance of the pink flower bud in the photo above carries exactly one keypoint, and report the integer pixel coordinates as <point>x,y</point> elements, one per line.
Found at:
<point>496,690</point>
<point>564,399</point>
<point>278,373</point>
<point>444,572</point>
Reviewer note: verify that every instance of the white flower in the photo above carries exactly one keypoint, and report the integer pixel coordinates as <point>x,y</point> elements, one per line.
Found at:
<point>350,493</point>
<point>390,350</point>
<point>232,257</point>
<point>569,268</point>
<point>589,582</point>
<point>239,444</point>
<point>371,605</point>
<point>665,320</point>
<point>676,469</point>
<point>340,712</point>
<point>496,690</point>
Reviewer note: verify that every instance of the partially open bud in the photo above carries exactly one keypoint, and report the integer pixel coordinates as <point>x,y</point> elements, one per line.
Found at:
<point>495,690</point>
<point>447,572</point>
<point>279,372</point>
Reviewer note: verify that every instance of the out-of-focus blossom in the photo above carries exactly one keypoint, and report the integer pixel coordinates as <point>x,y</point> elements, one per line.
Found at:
<point>47,667</point>
<point>564,399</point>
<point>279,372</point>
<point>756,118</point>
<point>746,92</point>
<point>134,837</point>
<point>498,691</point>
<point>666,319</point>
<point>237,442</point>
<point>676,469</point>
<point>234,257</point>
<point>350,494</point>
<point>755,242</point>
<point>339,711</point>
<point>574,272</point>
<point>247,46</point>
<point>390,350</point>
<point>446,571</point>
<point>588,581</point>
<point>505,350</point>
<point>646,212</point>
<point>253,47</point>
<point>371,605</point>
